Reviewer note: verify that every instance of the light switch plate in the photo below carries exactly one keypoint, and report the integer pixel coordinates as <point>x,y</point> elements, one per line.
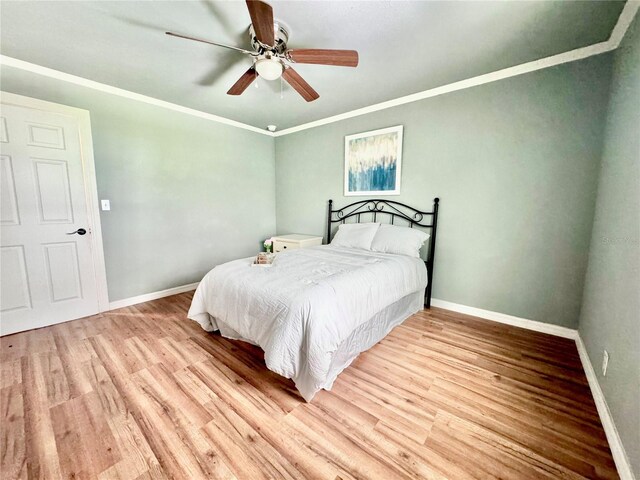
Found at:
<point>106,205</point>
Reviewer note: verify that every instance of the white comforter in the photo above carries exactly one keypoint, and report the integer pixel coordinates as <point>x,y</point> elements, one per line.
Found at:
<point>300,310</point>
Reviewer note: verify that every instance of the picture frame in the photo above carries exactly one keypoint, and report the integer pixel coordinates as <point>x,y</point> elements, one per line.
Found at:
<point>373,162</point>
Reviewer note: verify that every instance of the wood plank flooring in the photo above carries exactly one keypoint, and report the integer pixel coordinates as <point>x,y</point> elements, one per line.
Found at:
<point>144,393</point>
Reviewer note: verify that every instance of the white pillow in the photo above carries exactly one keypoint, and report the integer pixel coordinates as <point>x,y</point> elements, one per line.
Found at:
<point>355,235</point>
<point>399,240</point>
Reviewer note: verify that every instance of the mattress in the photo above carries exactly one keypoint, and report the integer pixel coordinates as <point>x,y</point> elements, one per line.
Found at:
<point>314,310</point>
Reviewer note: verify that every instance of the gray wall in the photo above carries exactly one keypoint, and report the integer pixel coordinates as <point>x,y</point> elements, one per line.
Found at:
<point>186,193</point>
<point>515,163</point>
<point>610,317</point>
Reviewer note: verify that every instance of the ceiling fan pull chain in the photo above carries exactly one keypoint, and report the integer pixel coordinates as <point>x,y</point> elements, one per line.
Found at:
<point>281,87</point>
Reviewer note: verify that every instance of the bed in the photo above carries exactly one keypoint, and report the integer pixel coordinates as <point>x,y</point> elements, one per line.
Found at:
<point>317,308</point>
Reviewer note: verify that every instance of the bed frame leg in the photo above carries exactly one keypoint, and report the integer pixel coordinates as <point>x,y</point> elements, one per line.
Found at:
<point>432,252</point>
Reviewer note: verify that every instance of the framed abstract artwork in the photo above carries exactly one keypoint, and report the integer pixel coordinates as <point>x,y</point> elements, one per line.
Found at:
<point>372,162</point>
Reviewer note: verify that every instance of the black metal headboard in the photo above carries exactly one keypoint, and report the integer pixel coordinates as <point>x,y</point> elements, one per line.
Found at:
<point>375,207</point>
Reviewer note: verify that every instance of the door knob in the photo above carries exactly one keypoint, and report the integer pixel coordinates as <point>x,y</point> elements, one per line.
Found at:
<point>80,231</point>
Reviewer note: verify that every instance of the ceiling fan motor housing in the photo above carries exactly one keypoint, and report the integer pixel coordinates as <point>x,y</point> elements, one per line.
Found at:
<point>281,34</point>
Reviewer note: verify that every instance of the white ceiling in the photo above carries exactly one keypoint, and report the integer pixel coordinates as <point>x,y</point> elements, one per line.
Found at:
<point>405,47</point>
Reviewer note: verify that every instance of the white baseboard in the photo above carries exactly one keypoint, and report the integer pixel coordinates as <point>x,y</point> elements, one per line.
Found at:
<point>556,330</point>
<point>615,443</point>
<point>147,297</point>
<point>617,449</point>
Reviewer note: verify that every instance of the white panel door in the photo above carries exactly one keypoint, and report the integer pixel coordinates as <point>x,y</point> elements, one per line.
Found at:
<point>47,271</point>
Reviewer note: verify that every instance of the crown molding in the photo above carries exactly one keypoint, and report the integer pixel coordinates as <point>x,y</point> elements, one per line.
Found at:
<point>103,87</point>
<point>617,34</point>
<point>624,21</point>
<point>547,62</point>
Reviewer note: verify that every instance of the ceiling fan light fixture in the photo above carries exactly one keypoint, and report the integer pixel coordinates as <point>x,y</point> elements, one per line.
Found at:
<point>269,68</point>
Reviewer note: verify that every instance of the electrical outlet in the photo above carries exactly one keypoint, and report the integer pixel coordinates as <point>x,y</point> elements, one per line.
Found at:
<point>106,205</point>
<point>605,363</point>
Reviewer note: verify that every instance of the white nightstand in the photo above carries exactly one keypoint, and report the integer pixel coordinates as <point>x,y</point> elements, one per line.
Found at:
<point>293,241</point>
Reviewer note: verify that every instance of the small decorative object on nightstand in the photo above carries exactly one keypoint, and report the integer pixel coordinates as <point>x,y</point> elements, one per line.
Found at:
<point>282,243</point>
<point>268,245</point>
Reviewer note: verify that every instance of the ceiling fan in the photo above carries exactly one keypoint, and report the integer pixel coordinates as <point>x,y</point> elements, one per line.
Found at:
<point>271,57</point>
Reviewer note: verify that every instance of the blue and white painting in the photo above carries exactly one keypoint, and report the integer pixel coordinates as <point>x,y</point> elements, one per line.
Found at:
<point>372,162</point>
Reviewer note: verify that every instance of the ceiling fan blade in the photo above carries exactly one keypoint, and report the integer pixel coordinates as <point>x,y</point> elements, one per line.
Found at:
<point>179,35</point>
<point>243,82</point>
<point>298,83</point>
<point>262,19</point>
<point>342,58</point>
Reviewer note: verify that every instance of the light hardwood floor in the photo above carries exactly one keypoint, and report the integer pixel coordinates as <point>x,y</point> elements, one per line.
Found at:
<point>144,393</point>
